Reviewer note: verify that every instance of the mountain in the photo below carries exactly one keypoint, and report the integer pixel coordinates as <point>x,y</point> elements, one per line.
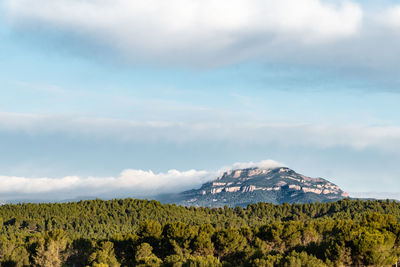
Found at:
<point>245,186</point>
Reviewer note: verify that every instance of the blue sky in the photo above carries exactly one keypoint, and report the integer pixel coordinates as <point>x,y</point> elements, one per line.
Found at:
<point>95,88</point>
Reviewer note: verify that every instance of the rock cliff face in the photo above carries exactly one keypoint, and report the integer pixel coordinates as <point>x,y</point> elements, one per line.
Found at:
<point>245,186</point>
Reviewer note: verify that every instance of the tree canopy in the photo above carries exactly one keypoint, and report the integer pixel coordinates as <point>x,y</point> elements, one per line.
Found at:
<point>134,232</point>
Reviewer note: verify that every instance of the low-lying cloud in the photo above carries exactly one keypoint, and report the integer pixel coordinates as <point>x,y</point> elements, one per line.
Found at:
<point>130,182</point>
<point>380,137</point>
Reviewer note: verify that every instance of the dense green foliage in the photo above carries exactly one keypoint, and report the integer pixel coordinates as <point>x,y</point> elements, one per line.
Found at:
<point>147,233</point>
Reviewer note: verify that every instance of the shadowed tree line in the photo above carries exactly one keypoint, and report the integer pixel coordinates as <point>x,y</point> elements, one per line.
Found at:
<point>147,233</point>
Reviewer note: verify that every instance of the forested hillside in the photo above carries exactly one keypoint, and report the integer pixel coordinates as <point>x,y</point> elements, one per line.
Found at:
<point>147,233</point>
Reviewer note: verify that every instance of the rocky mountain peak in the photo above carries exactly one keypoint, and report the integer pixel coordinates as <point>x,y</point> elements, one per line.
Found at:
<point>244,173</point>
<point>253,172</point>
<point>249,185</point>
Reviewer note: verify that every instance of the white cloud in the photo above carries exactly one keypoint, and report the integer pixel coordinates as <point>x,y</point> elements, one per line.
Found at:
<point>264,164</point>
<point>135,183</point>
<point>385,138</point>
<point>344,35</point>
<point>193,31</point>
<point>391,17</point>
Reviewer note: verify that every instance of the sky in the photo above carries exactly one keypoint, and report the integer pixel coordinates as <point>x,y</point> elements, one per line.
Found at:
<point>133,98</point>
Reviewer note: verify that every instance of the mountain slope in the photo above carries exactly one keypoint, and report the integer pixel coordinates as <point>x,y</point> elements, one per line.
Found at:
<point>245,186</point>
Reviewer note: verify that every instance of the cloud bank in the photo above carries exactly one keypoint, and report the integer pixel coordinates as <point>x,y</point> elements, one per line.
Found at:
<point>338,34</point>
<point>194,32</point>
<point>380,137</point>
<point>133,183</point>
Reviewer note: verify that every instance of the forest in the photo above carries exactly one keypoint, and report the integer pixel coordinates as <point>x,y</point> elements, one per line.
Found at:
<point>131,232</point>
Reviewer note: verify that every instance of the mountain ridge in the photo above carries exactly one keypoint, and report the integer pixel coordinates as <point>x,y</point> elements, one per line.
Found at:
<point>241,187</point>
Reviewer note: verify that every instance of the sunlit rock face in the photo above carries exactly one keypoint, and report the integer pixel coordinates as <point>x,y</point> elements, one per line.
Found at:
<point>252,185</point>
